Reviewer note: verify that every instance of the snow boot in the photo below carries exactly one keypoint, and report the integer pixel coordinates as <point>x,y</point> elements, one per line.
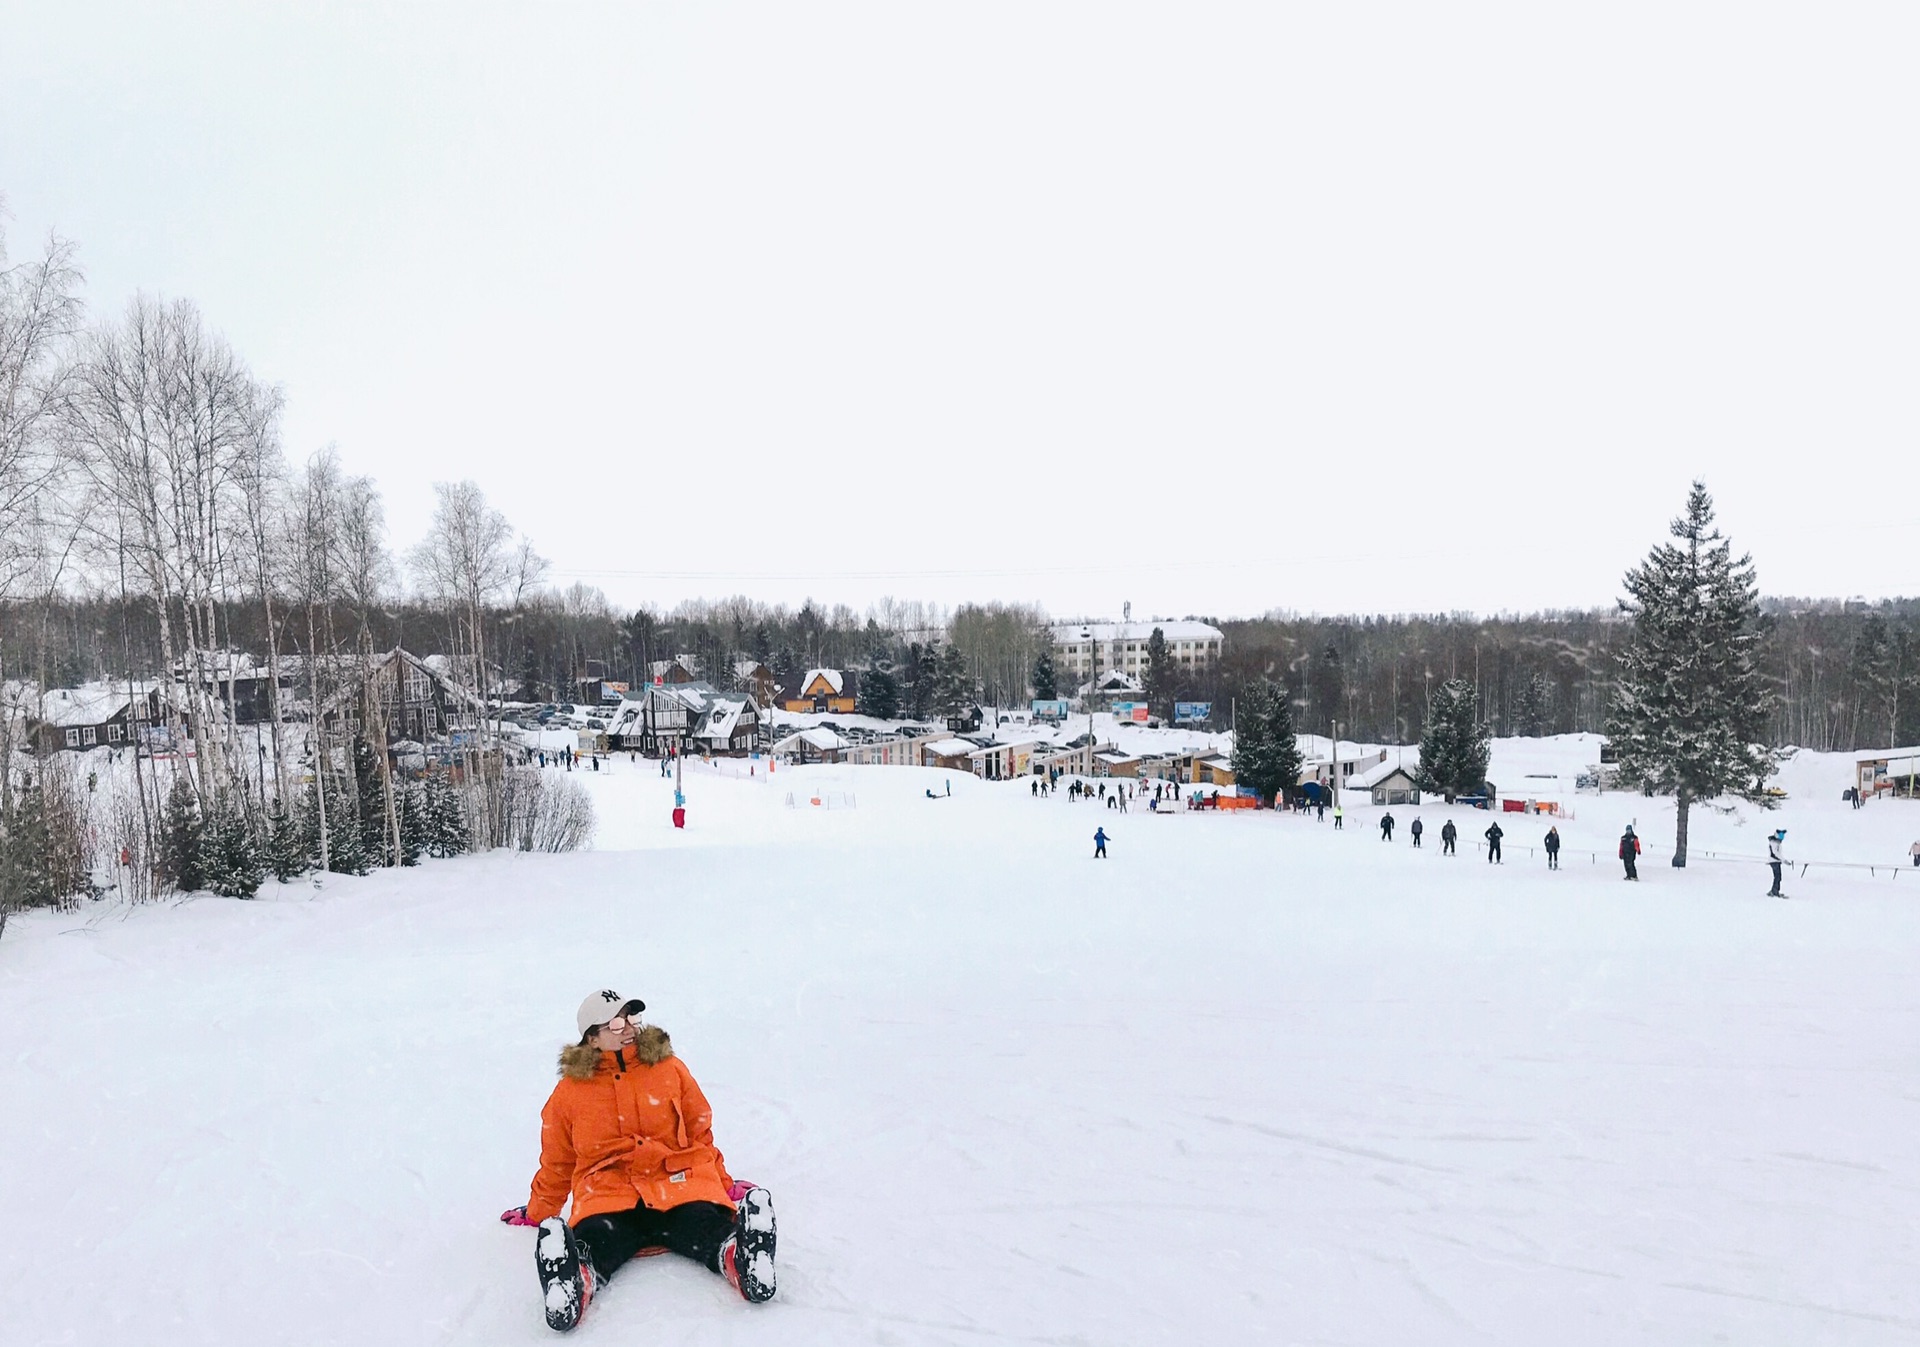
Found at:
<point>566,1274</point>
<point>746,1259</point>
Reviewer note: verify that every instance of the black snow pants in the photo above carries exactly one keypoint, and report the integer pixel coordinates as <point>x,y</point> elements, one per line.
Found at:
<point>693,1230</point>
<point>1775,892</point>
<point>1446,845</point>
<point>1631,860</point>
<point>1493,851</point>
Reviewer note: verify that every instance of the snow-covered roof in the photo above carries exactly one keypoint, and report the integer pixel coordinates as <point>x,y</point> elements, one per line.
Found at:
<point>89,704</point>
<point>1398,760</point>
<point>833,677</point>
<point>950,748</point>
<point>1882,754</point>
<point>721,718</point>
<point>1137,631</point>
<point>826,741</point>
<point>222,664</point>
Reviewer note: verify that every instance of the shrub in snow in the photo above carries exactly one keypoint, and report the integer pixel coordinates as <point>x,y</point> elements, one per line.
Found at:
<point>45,854</point>
<point>544,811</point>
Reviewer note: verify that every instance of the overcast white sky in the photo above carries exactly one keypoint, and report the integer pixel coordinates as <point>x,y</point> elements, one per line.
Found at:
<point>1211,307</point>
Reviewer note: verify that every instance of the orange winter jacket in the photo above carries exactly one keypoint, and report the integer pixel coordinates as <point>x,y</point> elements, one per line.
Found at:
<point>623,1130</point>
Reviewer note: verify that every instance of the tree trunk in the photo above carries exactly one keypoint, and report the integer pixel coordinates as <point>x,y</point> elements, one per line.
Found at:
<point>1683,801</point>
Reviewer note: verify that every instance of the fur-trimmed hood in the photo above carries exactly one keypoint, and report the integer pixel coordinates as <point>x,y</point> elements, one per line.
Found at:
<point>651,1046</point>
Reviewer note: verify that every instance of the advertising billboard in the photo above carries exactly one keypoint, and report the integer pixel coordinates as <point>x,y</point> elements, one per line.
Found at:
<point>1045,709</point>
<point>1189,713</point>
<point>1133,711</point>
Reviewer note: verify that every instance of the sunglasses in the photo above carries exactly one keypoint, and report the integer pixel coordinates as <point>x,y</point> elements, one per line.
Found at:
<point>629,1015</point>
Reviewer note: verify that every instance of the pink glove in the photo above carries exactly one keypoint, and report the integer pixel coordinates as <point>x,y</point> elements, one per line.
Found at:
<point>740,1189</point>
<point>517,1216</point>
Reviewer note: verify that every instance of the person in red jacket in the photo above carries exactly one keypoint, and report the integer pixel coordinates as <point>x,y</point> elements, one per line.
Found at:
<point>628,1136</point>
<point>1630,853</point>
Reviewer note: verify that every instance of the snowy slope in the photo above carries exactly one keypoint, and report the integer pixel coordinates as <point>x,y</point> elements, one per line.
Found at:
<point>1250,1080</point>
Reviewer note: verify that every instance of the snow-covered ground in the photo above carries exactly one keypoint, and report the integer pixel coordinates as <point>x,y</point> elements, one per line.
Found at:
<point>1249,1080</point>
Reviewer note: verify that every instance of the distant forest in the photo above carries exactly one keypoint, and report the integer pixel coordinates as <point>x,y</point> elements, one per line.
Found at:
<point>1847,673</point>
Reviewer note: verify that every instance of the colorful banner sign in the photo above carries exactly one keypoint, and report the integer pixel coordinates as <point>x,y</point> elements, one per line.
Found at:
<point>1055,709</point>
<point>1187,713</point>
<point>1136,712</point>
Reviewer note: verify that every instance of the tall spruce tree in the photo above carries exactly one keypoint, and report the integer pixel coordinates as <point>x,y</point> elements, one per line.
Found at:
<point>1689,711</point>
<point>1046,679</point>
<point>954,691</point>
<point>1266,755</point>
<point>879,694</point>
<point>1457,743</point>
<point>1162,675</point>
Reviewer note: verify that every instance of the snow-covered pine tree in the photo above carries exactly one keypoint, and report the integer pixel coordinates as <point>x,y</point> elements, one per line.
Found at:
<point>231,857</point>
<point>289,846</point>
<point>953,686</point>
<point>372,803</point>
<point>446,822</point>
<point>1046,678</point>
<point>182,839</point>
<point>1266,755</point>
<point>1690,709</point>
<point>346,836</point>
<point>1161,675</point>
<point>1457,743</point>
<point>879,692</point>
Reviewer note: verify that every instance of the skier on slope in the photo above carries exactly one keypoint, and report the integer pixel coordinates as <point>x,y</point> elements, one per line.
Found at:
<point>1553,846</point>
<point>1494,834</point>
<point>1099,844</point>
<point>1386,827</point>
<point>1448,833</point>
<point>1416,828</point>
<point>1630,854</point>
<point>629,1136</point>
<point>1775,845</point>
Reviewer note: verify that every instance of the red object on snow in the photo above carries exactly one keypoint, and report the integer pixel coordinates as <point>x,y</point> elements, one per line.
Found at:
<point>679,818</point>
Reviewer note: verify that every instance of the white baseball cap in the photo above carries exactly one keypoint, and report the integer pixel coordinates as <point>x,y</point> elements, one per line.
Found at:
<point>597,1009</point>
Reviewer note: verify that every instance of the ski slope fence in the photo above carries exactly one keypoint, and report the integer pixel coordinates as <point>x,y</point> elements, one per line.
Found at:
<point>822,799</point>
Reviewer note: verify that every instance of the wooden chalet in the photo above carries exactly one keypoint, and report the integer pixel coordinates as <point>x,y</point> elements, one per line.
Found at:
<point>96,715</point>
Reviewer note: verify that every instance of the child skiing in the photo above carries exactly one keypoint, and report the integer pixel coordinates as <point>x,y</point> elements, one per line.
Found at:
<point>1099,844</point>
<point>1774,860</point>
<point>628,1135</point>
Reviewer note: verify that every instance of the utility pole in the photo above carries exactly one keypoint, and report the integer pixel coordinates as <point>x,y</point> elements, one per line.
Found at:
<point>1335,768</point>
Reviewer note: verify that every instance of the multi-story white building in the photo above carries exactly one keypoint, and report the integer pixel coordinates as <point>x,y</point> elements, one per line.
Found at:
<point>1088,649</point>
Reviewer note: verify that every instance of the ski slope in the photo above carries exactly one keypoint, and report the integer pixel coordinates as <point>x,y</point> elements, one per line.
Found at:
<point>1249,1080</point>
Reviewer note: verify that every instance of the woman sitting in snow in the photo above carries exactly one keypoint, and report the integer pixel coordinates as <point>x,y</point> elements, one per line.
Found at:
<point>629,1136</point>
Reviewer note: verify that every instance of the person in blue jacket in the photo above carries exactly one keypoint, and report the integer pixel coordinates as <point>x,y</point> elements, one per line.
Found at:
<point>1099,844</point>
